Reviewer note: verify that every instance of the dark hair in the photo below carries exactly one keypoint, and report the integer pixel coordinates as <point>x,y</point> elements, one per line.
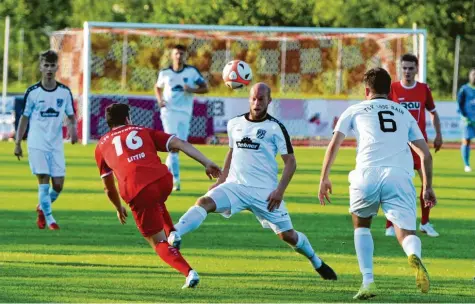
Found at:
<point>378,81</point>
<point>116,114</point>
<point>49,56</point>
<point>410,58</point>
<point>179,47</point>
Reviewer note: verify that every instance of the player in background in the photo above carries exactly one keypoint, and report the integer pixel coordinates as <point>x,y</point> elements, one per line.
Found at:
<point>466,105</point>
<point>130,152</point>
<point>383,175</point>
<point>249,179</point>
<point>416,97</point>
<point>45,105</point>
<point>174,91</point>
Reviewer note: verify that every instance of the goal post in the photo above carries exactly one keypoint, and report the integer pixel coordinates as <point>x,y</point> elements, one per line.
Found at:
<point>119,62</point>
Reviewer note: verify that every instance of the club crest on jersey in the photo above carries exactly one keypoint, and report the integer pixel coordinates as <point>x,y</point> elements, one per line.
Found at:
<point>246,143</point>
<point>185,79</point>
<point>261,133</point>
<point>59,102</point>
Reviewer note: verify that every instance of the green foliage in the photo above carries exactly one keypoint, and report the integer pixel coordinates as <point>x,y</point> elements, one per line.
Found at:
<point>444,20</point>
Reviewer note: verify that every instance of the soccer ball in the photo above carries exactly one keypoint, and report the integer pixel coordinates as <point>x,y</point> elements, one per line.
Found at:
<point>237,74</point>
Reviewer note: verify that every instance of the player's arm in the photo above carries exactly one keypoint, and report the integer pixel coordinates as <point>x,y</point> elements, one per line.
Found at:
<point>158,90</point>
<point>461,99</point>
<point>275,198</point>
<point>434,116</point>
<point>422,149</point>
<point>330,155</point>
<point>201,89</point>
<point>111,191</point>
<point>109,185</point>
<point>200,82</point>
<point>212,170</point>
<point>227,165</point>
<point>72,128</point>
<point>20,133</point>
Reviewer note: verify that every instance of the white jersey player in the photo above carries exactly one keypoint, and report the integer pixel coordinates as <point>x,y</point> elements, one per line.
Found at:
<point>174,91</point>
<point>249,179</point>
<point>45,105</point>
<point>383,174</point>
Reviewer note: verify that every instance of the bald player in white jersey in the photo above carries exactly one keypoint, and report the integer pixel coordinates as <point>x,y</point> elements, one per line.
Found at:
<point>46,104</point>
<point>383,175</point>
<point>249,179</point>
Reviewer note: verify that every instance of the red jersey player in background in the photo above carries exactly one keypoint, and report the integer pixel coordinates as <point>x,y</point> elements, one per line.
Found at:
<point>416,97</point>
<point>130,152</point>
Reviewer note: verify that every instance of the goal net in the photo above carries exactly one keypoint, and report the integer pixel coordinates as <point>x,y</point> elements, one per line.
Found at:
<point>314,73</point>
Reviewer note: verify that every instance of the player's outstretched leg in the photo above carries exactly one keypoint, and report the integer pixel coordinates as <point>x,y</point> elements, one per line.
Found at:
<point>412,246</point>
<point>364,247</point>
<point>300,243</point>
<point>193,218</point>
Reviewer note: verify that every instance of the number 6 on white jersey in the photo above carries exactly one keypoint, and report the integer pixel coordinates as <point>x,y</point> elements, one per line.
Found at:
<point>132,141</point>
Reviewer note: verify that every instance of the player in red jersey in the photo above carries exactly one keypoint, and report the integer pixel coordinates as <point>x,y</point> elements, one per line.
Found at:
<point>416,97</point>
<point>130,152</point>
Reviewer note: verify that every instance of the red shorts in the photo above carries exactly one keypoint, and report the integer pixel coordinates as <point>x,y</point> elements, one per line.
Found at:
<point>148,207</point>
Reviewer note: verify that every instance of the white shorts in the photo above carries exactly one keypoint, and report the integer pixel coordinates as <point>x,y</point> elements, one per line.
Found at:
<point>390,187</point>
<point>51,163</point>
<point>231,198</point>
<point>176,123</point>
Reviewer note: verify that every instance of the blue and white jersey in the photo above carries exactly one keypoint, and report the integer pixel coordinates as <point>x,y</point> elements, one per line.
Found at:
<point>466,101</point>
<point>46,109</point>
<point>255,145</point>
<point>172,82</point>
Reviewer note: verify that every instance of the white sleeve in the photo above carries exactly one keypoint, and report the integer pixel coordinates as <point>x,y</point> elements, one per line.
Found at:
<point>344,124</point>
<point>198,78</point>
<point>28,106</point>
<point>229,129</point>
<point>415,132</point>
<point>282,140</point>
<point>160,81</point>
<point>69,107</point>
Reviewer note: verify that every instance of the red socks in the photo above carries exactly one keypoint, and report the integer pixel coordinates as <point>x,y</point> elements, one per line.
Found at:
<point>425,211</point>
<point>172,257</point>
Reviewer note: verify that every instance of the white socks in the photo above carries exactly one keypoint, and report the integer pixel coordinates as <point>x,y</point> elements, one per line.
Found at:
<point>191,220</point>
<point>304,247</point>
<point>45,202</point>
<point>364,251</point>
<point>412,245</point>
<point>173,164</point>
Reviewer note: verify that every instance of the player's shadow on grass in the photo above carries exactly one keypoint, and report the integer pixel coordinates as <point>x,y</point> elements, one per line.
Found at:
<point>88,232</point>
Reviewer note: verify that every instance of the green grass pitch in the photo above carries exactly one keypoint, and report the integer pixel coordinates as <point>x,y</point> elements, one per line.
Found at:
<point>95,259</point>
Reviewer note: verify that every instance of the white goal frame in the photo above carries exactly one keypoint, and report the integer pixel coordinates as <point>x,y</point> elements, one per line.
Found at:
<point>419,45</point>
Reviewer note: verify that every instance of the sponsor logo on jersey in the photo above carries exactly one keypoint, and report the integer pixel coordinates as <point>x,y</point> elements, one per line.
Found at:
<point>177,88</point>
<point>49,113</point>
<point>246,143</point>
<point>261,133</point>
<point>411,105</point>
<point>59,102</point>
